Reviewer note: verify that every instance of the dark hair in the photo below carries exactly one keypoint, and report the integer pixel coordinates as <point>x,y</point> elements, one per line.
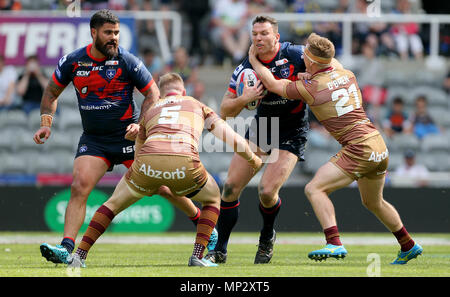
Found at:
<point>422,98</point>
<point>101,17</point>
<point>266,19</point>
<point>32,57</point>
<point>397,100</point>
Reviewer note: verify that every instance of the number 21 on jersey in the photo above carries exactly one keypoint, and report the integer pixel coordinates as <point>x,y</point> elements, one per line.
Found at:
<point>342,96</point>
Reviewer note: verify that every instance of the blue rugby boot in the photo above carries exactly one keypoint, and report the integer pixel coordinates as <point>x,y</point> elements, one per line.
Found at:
<point>195,261</point>
<point>404,257</point>
<point>213,240</point>
<point>56,254</point>
<point>330,250</point>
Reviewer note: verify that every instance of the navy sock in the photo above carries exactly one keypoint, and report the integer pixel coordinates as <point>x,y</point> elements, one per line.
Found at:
<point>269,215</point>
<point>229,213</point>
<point>68,243</point>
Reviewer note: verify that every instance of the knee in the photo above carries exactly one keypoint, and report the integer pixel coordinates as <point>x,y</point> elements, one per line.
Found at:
<point>372,205</point>
<point>309,190</point>
<point>79,190</point>
<point>267,195</point>
<point>230,192</point>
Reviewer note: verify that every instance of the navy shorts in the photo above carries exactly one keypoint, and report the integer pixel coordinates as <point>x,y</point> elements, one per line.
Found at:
<point>113,152</point>
<point>288,138</point>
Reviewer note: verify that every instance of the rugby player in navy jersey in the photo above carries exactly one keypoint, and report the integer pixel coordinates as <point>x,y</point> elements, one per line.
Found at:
<point>104,76</point>
<point>286,144</point>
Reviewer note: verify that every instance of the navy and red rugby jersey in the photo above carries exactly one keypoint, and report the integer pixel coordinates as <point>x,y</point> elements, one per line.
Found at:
<point>104,89</point>
<point>287,62</point>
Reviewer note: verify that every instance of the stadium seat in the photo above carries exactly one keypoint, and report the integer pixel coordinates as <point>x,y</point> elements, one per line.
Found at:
<point>61,141</point>
<point>6,143</point>
<point>68,99</point>
<point>68,119</point>
<point>24,141</point>
<point>395,160</point>
<point>432,143</point>
<point>34,120</point>
<point>314,160</point>
<point>435,161</point>
<point>216,162</point>
<point>44,163</point>
<point>14,164</point>
<point>13,118</point>
<point>440,115</point>
<point>401,142</point>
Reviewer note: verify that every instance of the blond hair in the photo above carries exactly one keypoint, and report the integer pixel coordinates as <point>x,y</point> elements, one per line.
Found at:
<point>319,49</point>
<point>170,80</point>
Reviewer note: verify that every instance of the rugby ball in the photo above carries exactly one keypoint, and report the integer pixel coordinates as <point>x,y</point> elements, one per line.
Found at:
<point>252,80</point>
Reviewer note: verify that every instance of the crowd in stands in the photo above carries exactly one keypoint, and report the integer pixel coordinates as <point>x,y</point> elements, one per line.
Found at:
<point>219,31</point>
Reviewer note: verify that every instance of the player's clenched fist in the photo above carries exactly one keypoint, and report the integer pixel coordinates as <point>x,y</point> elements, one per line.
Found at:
<point>42,135</point>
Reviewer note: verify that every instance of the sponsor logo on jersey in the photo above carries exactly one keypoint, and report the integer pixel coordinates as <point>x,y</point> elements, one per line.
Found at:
<point>378,157</point>
<point>136,69</point>
<point>281,62</point>
<point>84,64</point>
<point>159,174</point>
<point>83,73</point>
<point>111,62</point>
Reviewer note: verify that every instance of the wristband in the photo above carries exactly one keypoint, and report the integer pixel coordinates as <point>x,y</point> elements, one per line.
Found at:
<point>46,120</point>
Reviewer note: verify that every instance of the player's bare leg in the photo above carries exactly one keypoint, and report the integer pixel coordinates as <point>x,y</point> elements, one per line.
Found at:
<point>121,199</point>
<point>188,207</point>
<point>371,191</point>
<point>326,180</point>
<point>274,176</point>
<point>87,171</point>
<point>209,197</point>
<point>239,175</point>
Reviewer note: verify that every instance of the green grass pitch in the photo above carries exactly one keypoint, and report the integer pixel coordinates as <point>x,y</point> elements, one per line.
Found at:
<point>136,259</point>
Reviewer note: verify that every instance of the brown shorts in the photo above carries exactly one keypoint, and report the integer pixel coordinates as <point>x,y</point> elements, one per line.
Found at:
<point>368,158</point>
<point>181,174</point>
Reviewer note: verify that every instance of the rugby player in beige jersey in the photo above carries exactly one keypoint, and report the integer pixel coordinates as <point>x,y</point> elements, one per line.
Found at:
<point>167,156</point>
<point>334,97</point>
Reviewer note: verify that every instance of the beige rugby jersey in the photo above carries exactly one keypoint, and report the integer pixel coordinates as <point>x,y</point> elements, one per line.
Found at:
<point>174,124</point>
<point>335,99</point>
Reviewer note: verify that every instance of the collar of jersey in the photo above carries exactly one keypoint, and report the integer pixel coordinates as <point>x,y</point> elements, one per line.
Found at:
<point>323,70</point>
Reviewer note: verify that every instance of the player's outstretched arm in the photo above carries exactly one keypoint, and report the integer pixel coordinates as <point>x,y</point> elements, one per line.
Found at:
<point>225,133</point>
<point>269,81</point>
<point>49,103</point>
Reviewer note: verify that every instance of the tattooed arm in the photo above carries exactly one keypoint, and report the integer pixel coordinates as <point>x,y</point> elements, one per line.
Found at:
<point>48,109</point>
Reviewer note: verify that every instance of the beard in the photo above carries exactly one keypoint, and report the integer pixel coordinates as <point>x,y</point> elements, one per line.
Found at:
<point>108,52</point>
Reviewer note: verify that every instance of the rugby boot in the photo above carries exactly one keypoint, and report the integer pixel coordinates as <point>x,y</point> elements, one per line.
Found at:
<point>213,240</point>
<point>194,261</point>
<point>216,256</point>
<point>330,250</point>
<point>404,257</point>
<point>56,254</point>
<point>265,250</point>
<point>76,262</point>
